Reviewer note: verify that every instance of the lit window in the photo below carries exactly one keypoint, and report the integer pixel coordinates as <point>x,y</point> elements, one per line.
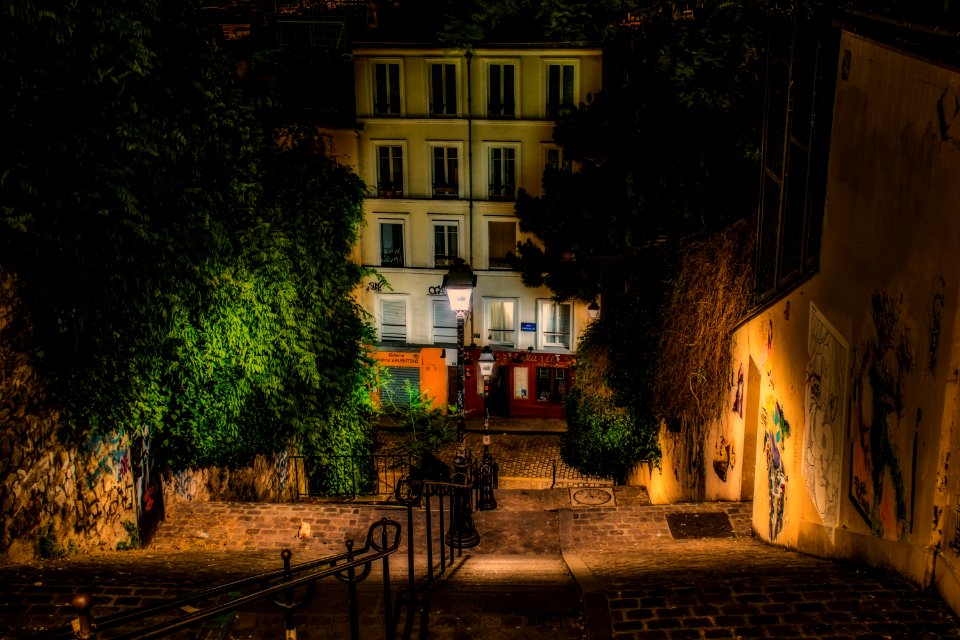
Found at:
<point>555,324</point>
<point>501,321</point>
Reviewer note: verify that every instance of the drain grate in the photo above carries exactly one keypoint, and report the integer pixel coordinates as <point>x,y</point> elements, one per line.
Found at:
<point>699,525</point>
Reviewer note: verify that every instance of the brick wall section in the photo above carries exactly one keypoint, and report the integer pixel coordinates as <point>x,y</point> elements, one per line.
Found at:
<point>610,528</point>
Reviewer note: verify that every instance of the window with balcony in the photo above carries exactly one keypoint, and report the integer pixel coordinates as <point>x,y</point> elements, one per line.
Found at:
<point>389,171</point>
<point>502,238</point>
<point>444,322</point>
<point>446,243</point>
<point>555,323</point>
<point>443,90</point>
<point>391,244</point>
<point>446,172</point>
<point>503,170</point>
<point>386,89</point>
<point>500,319</point>
<point>560,89</point>
<point>393,319</point>
<point>501,91</point>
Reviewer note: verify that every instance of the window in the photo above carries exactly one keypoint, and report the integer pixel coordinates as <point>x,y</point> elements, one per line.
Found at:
<point>501,321</point>
<point>446,243</point>
<point>551,384</point>
<point>556,160</point>
<point>444,322</point>
<point>501,91</point>
<point>391,244</point>
<point>503,167</point>
<point>446,172</point>
<point>389,171</point>
<point>559,89</point>
<point>393,320</point>
<point>503,243</point>
<point>555,324</point>
<point>443,90</point>
<point>386,89</point>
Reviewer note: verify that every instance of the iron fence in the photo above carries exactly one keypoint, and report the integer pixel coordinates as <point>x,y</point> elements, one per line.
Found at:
<point>349,476</point>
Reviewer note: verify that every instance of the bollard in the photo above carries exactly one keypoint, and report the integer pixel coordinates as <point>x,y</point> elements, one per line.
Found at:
<point>82,625</point>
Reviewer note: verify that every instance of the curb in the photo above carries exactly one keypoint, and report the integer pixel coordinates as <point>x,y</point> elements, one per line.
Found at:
<point>596,607</point>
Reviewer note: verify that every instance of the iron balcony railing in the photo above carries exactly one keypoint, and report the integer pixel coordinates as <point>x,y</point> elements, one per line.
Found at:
<point>349,476</point>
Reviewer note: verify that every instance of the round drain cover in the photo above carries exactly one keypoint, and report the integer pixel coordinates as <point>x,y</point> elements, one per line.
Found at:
<point>592,496</point>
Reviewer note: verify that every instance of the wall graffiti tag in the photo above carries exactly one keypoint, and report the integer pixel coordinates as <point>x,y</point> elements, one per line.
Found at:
<point>877,484</point>
<point>774,443</point>
<point>724,458</point>
<point>825,403</point>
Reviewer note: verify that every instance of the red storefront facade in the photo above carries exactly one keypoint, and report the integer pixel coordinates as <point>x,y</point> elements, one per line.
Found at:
<point>524,384</point>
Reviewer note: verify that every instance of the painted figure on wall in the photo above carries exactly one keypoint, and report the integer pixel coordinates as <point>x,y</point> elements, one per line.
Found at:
<point>877,485</point>
<point>825,404</point>
<point>775,431</point>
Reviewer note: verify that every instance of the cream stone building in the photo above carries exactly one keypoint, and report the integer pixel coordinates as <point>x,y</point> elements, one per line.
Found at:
<point>445,139</point>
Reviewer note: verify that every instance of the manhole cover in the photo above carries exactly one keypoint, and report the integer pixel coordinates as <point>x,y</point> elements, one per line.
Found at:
<point>699,525</point>
<point>592,497</point>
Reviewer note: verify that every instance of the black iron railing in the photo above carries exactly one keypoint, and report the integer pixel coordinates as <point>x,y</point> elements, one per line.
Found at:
<point>350,567</point>
<point>349,476</point>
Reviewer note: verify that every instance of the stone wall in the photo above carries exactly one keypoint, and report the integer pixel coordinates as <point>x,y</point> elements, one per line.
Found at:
<point>54,498</point>
<point>267,479</point>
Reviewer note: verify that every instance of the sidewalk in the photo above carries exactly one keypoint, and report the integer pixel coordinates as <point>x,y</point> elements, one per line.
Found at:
<point>581,563</point>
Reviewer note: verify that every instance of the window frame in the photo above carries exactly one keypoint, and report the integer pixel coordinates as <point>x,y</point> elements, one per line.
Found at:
<point>447,191</point>
<point>393,298</point>
<point>435,223</point>
<point>402,223</point>
<point>550,111</point>
<point>379,184</point>
<point>542,315</point>
<point>502,113</point>
<point>488,303</point>
<point>375,92</point>
<point>431,101</point>
<point>496,263</point>
<point>509,192</point>
<point>435,336</point>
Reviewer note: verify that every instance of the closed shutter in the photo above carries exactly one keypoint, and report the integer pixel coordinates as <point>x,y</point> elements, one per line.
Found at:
<point>444,323</point>
<point>394,391</point>
<point>393,326</point>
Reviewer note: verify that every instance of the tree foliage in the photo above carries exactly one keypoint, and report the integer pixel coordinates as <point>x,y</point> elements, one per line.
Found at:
<point>181,276</point>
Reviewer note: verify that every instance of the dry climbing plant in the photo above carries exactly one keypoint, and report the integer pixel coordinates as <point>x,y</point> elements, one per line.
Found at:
<point>710,298</point>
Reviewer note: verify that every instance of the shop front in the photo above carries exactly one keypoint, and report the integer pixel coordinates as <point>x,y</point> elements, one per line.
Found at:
<point>524,384</point>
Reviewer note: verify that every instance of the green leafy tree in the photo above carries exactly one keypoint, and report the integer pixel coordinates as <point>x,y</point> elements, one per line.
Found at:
<point>181,276</point>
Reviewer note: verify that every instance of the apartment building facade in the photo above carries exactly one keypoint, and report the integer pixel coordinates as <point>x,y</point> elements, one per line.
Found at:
<point>445,140</point>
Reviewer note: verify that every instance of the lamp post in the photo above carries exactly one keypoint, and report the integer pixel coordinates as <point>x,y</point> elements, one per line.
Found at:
<point>486,501</point>
<point>459,283</point>
<point>593,310</point>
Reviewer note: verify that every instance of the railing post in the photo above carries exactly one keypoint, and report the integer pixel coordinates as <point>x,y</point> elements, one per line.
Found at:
<point>387,605</point>
<point>82,625</point>
<point>352,604</point>
<point>289,617</point>
<point>429,533</point>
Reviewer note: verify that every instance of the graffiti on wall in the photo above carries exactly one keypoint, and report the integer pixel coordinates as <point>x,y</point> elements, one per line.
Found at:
<point>724,458</point>
<point>776,430</point>
<point>877,485</point>
<point>934,329</point>
<point>824,403</point>
<point>738,398</point>
<point>104,483</point>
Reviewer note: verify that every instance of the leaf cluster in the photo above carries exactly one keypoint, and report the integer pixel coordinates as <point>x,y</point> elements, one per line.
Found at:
<point>183,278</point>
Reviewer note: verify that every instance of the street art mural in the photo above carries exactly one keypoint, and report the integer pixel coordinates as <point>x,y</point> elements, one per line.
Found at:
<point>724,458</point>
<point>776,430</point>
<point>738,398</point>
<point>877,482</point>
<point>825,408</point>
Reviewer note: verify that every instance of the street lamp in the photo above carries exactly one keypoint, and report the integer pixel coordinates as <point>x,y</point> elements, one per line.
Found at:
<point>458,284</point>
<point>593,310</point>
<point>486,501</point>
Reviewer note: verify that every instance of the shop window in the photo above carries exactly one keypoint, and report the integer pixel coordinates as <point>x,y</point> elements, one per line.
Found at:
<point>551,384</point>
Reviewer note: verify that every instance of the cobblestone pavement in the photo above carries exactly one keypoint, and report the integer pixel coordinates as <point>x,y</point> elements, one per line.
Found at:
<point>578,563</point>
<point>525,461</point>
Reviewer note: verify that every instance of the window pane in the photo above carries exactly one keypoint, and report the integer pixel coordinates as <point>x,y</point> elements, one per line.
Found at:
<point>451,90</point>
<point>444,323</point>
<point>391,244</point>
<point>508,106</point>
<point>503,241</point>
<point>500,321</point>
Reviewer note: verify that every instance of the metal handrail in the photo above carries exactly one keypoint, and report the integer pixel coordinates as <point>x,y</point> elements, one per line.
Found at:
<point>342,566</point>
